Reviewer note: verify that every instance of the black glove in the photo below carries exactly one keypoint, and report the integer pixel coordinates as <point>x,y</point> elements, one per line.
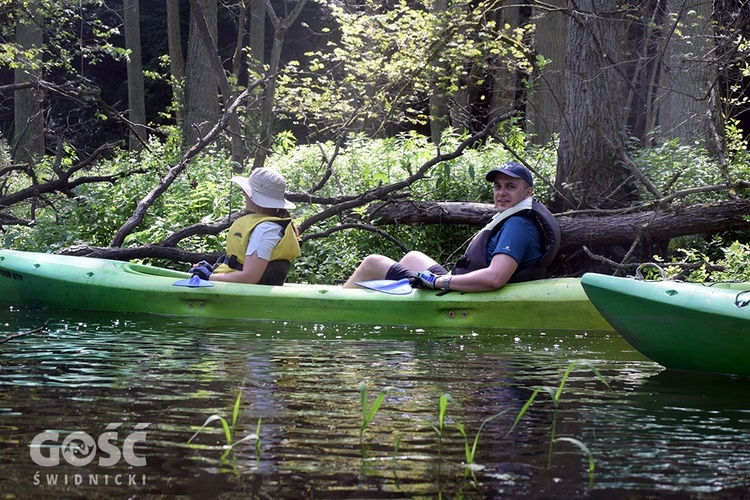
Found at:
<point>203,270</point>
<point>205,264</point>
<point>426,279</point>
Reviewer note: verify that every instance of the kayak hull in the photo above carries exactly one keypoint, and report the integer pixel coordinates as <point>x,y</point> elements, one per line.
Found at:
<point>685,326</point>
<point>81,283</point>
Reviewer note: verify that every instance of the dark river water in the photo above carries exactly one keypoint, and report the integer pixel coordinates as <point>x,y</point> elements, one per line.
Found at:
<point>103,406</point>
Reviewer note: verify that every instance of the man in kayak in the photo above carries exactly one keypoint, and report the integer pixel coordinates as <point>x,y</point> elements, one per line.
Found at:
<point>260,245</point>
<point>517,245</point>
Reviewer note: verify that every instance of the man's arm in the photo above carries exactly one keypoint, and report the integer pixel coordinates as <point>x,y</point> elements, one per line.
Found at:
<point>501,268</point>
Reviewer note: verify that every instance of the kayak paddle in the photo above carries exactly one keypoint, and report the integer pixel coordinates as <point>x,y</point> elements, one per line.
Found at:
<point>393,287</point>
<point>193,282</point>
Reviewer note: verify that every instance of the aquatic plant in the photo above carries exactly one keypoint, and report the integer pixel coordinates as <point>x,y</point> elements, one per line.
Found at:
<point>368,412</point>
<point>229,430</point>
<point>471,451</point>
<point>439,428</point>
<point>555,395</point>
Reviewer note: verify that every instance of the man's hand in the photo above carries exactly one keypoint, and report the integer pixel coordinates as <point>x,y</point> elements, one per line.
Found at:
<point>426,279</point>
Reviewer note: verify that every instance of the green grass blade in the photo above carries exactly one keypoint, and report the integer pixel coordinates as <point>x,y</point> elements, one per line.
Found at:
<point>583,448</point>
<point>522,412</point>
<point>376,405</point>
<point>236,410</point>
<point>225,426</point>
<point>363,403</point>
<point>444,400</point>
<point>246,438</point>
<point>369,412</point>
<point>476,438</point>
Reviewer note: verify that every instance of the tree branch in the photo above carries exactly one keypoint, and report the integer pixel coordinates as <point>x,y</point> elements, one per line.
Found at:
<point>383,192</point>
<point>30,332</point>
<point>150,198</point>
<point>365,227</point>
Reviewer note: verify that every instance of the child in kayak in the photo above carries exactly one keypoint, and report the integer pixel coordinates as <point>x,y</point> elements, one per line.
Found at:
<point>517,245</point>
<point>260,245</point>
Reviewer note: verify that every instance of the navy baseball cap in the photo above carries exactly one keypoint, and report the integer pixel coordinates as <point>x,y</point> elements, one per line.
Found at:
<point>512,169</point>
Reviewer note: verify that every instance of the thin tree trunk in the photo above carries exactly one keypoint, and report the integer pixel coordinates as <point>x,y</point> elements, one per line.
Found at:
<point>136,88</point>
<point>267,114</point>
<point>201,82</point>
<point>28,138</point>
<point>176,60</point>
<point>545,102</point>
<point>438,104</point>
<point>688,74</point>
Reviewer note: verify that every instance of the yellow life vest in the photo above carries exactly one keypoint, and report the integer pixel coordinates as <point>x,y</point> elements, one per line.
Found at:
<point>239,234</point>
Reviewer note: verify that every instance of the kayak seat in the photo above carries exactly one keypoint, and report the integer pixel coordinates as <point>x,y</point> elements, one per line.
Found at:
<point>275,273</point>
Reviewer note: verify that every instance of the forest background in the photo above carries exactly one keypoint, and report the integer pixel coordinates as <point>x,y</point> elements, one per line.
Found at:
<point>123,121</point>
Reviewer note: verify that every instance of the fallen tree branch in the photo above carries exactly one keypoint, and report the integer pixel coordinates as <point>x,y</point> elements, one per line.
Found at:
<point>617,229</point>
<point>64,183</point>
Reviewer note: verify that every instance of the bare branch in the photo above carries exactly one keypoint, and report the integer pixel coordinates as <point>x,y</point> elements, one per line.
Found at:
<point>148,200</point>
<point>365,227</point>
<point>63,182</point>
<point>383,192</point>
<point>30,332</point>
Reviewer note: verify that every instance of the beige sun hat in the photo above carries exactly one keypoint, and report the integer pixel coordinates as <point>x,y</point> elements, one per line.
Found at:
<point>265,187</point>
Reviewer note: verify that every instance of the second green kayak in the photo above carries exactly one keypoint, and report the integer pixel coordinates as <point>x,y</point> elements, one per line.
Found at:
<point>688,326</point>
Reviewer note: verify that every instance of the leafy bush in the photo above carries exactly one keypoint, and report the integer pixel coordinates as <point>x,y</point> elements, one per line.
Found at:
<point>734,262</point>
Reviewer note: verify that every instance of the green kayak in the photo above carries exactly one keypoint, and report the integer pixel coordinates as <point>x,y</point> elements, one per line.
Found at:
<point>687,326</point>
<point>58,281</point>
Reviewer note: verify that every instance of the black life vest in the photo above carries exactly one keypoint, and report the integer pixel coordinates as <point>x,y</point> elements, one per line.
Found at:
<point>476,253</point>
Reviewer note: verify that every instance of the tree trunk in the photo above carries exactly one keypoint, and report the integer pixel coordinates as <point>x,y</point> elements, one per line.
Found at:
<point>176,60</point>
<point>136,91</point>
<point>545,102</point>
<point>688,73</point>
<point>256,57</point>
<point>257,43</point>
<point>28,137</point>
<point>438,105</point>
<point>201,82</point>
<point>267,116</point>
<point>594,232</point>
<point>504,82</point>
<point>587,174</point>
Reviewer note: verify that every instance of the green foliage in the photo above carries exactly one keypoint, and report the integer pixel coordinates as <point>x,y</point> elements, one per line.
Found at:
<point>388,58</point>
<point>364,164</point>
<point>96,210</point>
<point>75,33</point>
<point>92,213</point>
<point>733,261</point>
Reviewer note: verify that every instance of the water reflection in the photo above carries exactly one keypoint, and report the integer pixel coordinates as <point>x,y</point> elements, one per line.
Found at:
<point>655,431</point>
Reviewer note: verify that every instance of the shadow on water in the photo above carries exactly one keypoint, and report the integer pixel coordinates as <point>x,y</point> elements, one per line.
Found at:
<point>655,433</point>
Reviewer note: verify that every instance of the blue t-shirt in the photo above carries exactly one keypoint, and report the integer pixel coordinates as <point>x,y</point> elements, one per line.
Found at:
<point>521,238</point>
